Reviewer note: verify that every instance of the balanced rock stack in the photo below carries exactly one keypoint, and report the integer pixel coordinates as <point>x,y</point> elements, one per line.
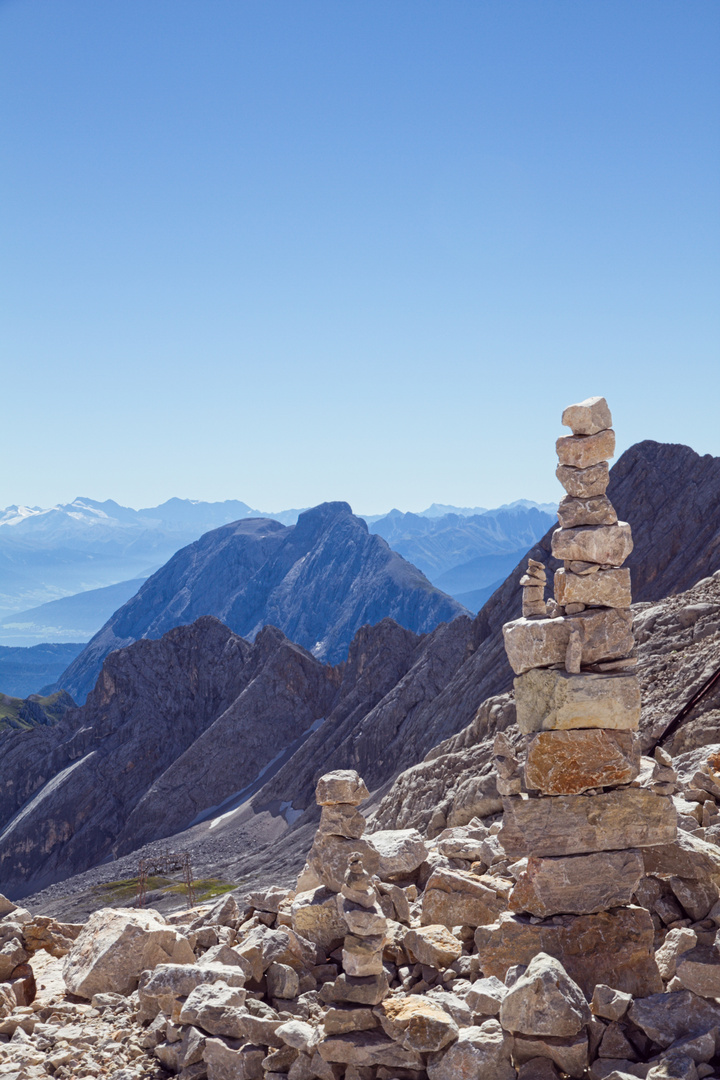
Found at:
<point>340,831</point>
<point>336,861</point>
<point>579,826</point>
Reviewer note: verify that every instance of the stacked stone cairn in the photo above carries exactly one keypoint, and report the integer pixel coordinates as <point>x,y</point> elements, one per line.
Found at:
<point>578,828</point>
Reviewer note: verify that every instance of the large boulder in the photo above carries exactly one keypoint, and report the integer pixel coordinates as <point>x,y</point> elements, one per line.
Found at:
<point>163,988</point>
<point>665,1018</point>
<point>417,1022</point>
<point>577,884</point>
<point>611,947</point>
<point>480,1053</point>
<point>400,851</point>
<point>544,1001</point>
<point>116,945</point>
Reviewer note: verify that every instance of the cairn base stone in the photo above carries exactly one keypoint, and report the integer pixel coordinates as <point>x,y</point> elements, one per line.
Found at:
<point>551,700</point>
<point>570,762</point>
<point>575,824</point>
<point>577,884</point>
<point>611,947</point>
<point>368,1048</point>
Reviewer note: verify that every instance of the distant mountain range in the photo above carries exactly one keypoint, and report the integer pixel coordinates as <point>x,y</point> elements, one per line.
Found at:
<point>205,733</point>
<point>49,553</point>
<point>25,671</point>
<point>69,619</point>
<point>318,581</point>
<point>454,542</point>
<point>65,570</point>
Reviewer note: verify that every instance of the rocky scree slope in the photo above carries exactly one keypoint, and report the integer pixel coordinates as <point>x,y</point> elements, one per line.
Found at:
<point>319,581</point>
<point>348,975</point>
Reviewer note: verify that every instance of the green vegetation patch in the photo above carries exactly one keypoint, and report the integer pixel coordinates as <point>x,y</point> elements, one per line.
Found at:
<point>207,888</point>
<point>23,714</point>
<point>125,890</point>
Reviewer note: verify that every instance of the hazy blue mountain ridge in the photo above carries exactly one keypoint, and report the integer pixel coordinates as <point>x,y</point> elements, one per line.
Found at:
<point>437,545</point>
<point>71,618</point>
<point>319,581</point>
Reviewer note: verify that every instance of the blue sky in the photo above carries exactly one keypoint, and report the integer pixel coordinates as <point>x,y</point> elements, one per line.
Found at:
<point>288,252</point>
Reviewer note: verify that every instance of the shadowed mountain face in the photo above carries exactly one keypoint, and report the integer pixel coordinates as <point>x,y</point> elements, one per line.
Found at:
<point>319,581</point>
<point>173,730</point>
<point>395,698</point>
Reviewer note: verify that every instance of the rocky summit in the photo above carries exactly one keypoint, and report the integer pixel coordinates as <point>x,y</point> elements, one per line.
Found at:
<point>318,581</point>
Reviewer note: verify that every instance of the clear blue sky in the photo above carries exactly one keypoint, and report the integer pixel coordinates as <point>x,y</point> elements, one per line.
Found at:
<point>292,251</point>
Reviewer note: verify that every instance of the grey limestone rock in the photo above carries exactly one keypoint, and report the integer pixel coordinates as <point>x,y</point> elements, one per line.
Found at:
<point>544,1001</point>
<point>608,545</point>
<point>575,824</point>
<point>480,1053</point>
<point>550,700</point>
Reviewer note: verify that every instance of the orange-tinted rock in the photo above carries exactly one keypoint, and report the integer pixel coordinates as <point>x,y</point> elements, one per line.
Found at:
<point>570,762</point>
<point>611,947</point>
<point>458,898</point>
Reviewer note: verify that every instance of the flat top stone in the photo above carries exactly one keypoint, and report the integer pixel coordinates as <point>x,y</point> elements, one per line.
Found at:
<point>340,786</point>
<point>588,416</point>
